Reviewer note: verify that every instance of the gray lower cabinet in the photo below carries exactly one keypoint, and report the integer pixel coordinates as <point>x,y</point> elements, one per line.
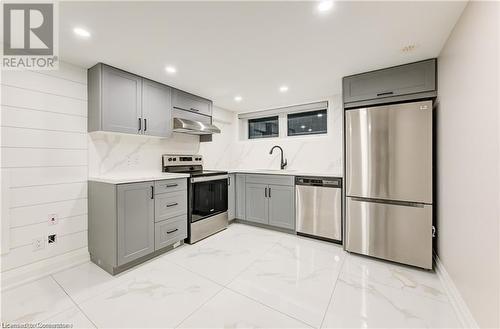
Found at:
<point>231,197</point>
<point>270,204</point>
<point>282,206</point>
<point>257,204</point>
<point>399,83</point>
<point>129,223</point>
<point>240,196</point>
<point>135,208</point>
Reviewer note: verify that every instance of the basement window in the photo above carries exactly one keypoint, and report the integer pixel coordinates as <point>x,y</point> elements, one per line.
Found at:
<point>307,123</point>
<point>263,127</point>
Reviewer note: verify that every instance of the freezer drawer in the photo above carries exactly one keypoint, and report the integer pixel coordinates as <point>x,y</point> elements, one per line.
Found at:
<point>389,152</point>
<point>390,231</point>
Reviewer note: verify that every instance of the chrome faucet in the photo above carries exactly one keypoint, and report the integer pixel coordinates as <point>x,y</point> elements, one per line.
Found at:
<point>283,163</point>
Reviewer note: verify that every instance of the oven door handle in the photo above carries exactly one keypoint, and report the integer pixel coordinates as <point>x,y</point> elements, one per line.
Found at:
<point>208,178</point>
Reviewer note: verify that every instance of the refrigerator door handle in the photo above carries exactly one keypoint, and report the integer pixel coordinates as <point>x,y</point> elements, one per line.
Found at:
<point>391,202</point>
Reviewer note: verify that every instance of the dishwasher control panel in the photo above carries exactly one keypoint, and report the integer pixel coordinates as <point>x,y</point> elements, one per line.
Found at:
<point>319,181</point>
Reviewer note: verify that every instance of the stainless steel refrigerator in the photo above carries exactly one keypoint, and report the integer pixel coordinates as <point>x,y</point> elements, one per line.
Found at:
<point>389,182</point>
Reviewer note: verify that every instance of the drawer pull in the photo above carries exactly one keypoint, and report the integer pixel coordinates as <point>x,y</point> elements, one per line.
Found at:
<point>172,204</point>
<point>194,110</point>
<point>171,185</point>
<point>386,93</point>
<point>169,232</point>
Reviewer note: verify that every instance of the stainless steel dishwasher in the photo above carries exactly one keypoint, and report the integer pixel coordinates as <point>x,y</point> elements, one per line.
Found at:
<point>319,207</point>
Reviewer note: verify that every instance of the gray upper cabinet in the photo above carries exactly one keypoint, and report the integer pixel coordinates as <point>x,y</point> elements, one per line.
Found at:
<point>120,101</point>
<point>123,102</point>
<point>399,83</point>
<point>257,204</point>
<point>135,221</point>
<point>281,206</point>
<point>156,109</point>
<point>188,102</point>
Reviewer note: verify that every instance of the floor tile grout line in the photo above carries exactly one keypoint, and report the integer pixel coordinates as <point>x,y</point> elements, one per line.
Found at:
<point>74,302</point>
<point>333,291</point>
<point>269,307</point>
<point>199,307</point>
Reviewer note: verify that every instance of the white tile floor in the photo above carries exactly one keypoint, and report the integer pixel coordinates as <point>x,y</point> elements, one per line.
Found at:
<point>242,277</point>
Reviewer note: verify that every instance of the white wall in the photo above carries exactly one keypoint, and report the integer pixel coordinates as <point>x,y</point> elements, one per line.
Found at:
<point>321,153</point>
<point>44,164</point>
<point>469,160</point>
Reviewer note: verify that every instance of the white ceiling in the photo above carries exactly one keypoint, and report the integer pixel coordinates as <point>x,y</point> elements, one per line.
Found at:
<point>223,49</point>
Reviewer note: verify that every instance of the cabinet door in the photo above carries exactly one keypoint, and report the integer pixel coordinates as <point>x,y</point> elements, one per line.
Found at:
<point>192,103</point>
<point>281,206</point>
<point>240,196</point>
<point>257,205</point>
<point>231,197</point>
<point>121,101</point>
<point>156,109</point>
<point>395,81</point>
<point>135,205</point>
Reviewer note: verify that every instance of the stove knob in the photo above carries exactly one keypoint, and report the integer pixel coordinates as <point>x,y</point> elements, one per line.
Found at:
<point>169,159</point>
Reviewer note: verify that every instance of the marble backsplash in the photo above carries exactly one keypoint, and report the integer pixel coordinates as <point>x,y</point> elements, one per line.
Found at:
<point>111,153</point>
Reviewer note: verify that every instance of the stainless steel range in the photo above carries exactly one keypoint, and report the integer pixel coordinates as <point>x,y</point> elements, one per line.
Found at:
<point>207,195</point>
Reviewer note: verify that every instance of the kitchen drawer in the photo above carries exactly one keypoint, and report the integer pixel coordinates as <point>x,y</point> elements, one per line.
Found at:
<point>170,185</point>
<point>188,102</point>
<point>270,179</point>
<point>171,231</point>
<point>168,205</point>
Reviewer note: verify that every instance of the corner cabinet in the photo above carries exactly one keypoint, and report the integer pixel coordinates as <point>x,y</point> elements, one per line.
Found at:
<point>123,102</point>
<point>269,200</point>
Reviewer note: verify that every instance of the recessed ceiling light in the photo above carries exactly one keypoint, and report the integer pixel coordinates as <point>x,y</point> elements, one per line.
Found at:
<point>310,129</point>
<point>320,115</point>
<point>303,127</point>
<point>284,89</point>
<point>238,98</point>
<point>171,69</point>
<point>325,5</point>
<point>81,32</point>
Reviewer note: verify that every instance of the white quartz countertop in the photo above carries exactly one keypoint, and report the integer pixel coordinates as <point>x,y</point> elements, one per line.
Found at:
<point>284,172</point>
<point>135,177</point>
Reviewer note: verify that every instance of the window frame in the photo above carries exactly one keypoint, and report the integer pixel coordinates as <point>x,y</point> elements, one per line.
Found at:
<point>264,118</point>
<point>306,133</point>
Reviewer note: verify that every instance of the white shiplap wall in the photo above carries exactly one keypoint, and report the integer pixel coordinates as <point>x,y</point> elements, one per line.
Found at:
<point>44,165</point>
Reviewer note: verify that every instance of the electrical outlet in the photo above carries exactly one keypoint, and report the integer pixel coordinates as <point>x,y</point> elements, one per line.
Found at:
<point>38,244</point>
<point>53,219</point>
<point>52,239</point>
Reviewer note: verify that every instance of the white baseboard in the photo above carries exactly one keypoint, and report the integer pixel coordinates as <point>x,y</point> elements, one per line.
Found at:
<point>456,300</point>
<point>24,274</point>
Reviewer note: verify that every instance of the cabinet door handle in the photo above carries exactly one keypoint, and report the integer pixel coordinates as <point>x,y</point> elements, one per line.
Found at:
<point>152,192</point>
<point>269,192</point>
<point>386,93</point>
<point>172,204</point>
<point>145,124</point>
<point>265,192</point>
<point>229,181</point>
<point>168,232</point>
<point>171,185</point>
<point>140,125</point>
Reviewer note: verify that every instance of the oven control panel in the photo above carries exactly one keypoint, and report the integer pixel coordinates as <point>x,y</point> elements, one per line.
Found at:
<point>182,160</point>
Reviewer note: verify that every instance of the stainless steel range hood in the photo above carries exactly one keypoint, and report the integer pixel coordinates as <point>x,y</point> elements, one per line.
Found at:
<point>182,125</point>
